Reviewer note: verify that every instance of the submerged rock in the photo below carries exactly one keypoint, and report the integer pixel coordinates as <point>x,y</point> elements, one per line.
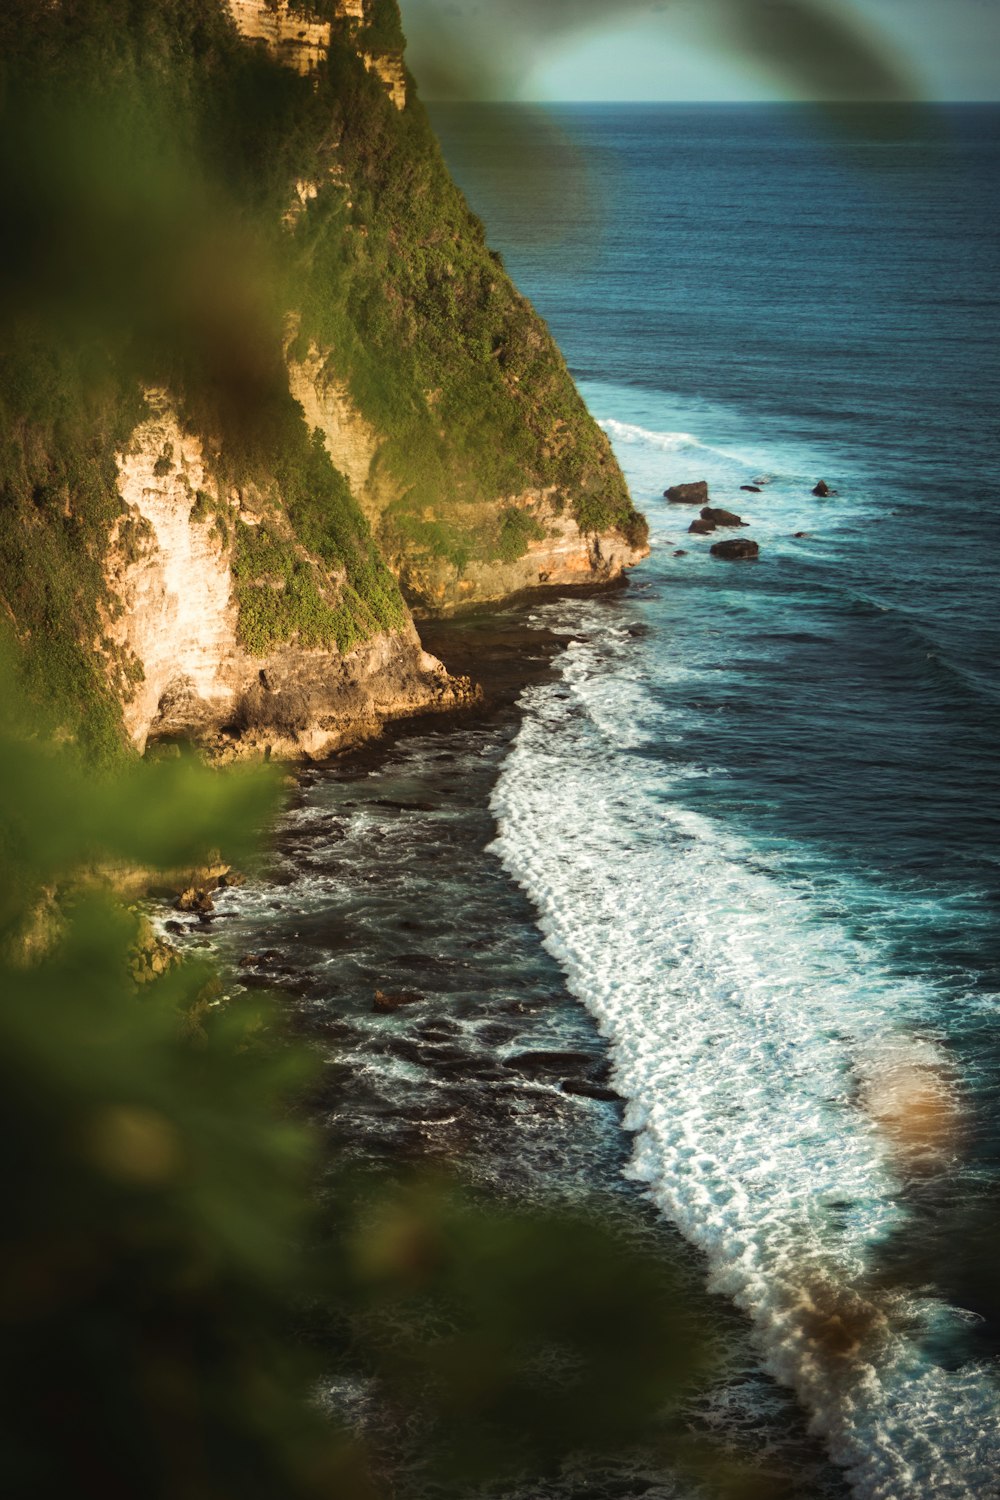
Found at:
<point>584,1090</point>
<point>533,1062</point>
<point>680,552</point>
<point>695,493</point>
<point>754,489</point>
<point>721,517</point>
<point>385,1002</point>
<point>737,549</point>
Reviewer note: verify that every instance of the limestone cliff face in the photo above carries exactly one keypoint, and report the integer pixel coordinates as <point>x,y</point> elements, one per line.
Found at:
<point>559,550</point>
<point>311,403</point>
<point>174,619</point>
<point>287,31</point>
<point>302,41</point>
<point>563,555</point>
<point>351,441</point>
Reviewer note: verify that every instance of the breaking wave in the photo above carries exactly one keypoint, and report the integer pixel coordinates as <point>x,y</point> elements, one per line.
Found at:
<point>782,1080</point>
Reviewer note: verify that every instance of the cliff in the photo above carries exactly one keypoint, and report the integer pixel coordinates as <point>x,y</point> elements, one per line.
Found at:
<point>198,583</point>
<point>266,393</point>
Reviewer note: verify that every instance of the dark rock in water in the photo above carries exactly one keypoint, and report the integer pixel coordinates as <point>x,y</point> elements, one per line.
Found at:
<point>194,900</point>
<point>753,489</point>
<point>550,1062</point>
<point>701,528</point>
<point>799,535</point>
<point>385,1002</point>
<point>680,552</point>
<point>721,517</point>
<point>695,493</point>
<point>822,489</point>
<point>404,806</point>
<point>586,1090</point>
<point>441,1030</point>
<point>739,549</point>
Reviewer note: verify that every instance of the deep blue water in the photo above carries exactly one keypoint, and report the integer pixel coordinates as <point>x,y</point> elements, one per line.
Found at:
<point>748,828</point>
<point>761,831</point>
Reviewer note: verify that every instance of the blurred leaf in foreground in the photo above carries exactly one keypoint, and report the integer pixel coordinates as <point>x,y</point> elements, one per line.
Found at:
<point>163,1233</point>
<point>812,49</point>
<point>155,1192</point>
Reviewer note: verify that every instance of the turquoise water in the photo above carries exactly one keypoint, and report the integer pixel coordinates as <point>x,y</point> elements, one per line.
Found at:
<point>757,813</point>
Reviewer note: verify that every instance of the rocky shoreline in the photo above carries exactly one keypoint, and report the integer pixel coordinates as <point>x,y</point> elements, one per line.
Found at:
<point>414,965</point>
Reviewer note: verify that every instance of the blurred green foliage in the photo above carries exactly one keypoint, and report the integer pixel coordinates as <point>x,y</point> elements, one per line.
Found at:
<point>819,50</point>
<point>170,1220</point>
<point>155,1192</point>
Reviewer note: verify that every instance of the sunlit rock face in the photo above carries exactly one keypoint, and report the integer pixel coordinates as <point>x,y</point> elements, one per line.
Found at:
<point>301,41</point>
<point>351,442</point>
<point>564,557</point>
<point>174,621</point>
<point>389,69</point>
<point>171,576</point>
<point>296,39</point>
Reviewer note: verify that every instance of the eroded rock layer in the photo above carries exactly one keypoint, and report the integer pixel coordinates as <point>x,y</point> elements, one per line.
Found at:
<point>175,618</point>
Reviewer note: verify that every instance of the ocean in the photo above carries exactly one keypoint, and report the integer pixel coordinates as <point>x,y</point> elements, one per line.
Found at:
<point>761,833</point>
<point>734,859</point>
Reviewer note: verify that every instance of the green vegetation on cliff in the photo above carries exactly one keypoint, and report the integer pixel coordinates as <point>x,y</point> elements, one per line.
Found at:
<point>146,154</point>
<point>440,351</point>
<point>60,423</point>
<point>149,157</point>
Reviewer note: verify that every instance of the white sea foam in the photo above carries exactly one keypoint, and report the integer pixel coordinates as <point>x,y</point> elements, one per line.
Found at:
<point>748,1030</point>
<point>667,442</point>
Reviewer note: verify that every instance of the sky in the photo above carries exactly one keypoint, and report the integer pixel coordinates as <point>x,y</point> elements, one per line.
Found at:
<point>686,50</point>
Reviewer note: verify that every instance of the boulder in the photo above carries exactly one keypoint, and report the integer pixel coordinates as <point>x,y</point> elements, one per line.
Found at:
<point>753,489</point>
<point>737,549</point>
<point>702,528</point>
<point>385,1002</point>
<point>193,900</point>
<point>822,489</point>
<point>721,517</point>
<point>584,1090</point>
<point>551,1062</point>
<point>695,493</point>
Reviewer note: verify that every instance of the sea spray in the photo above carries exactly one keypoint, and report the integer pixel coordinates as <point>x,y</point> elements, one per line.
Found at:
<point>746,1025</point>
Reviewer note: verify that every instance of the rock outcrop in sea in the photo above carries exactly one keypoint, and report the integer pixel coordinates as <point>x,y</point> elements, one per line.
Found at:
<point>736,549</point>
<point>693,493</point>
